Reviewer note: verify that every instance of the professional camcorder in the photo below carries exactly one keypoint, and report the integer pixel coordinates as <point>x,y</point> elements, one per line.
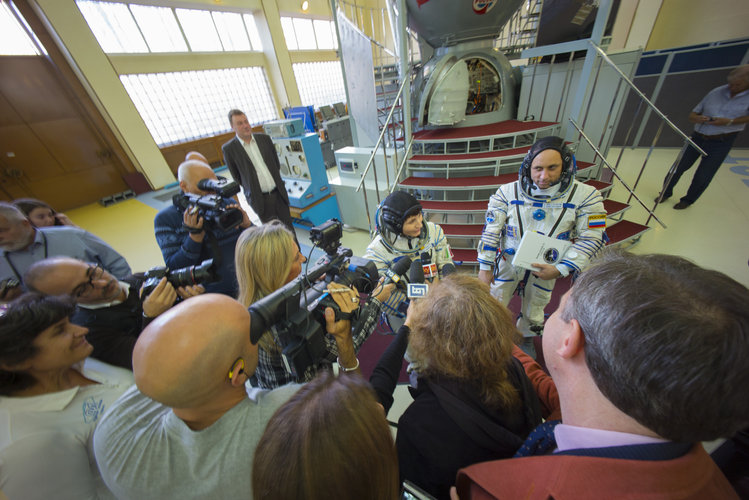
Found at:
<point>296,310</point>
<point>213,207</point>
<point>205,272</point>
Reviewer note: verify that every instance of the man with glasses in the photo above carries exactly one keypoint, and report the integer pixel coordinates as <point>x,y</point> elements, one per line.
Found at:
<point>22,244</point>
<point>114,310</point>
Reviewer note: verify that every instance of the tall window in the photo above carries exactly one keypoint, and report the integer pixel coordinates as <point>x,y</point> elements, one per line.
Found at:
<point>134,28</point>
<point>320,83</point>
<point>187,105</point>
<point>14,39</point>
<point>302,33</point>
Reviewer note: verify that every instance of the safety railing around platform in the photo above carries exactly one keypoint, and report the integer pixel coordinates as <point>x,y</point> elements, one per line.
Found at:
<point>380,143</point>
<point>616,174</point>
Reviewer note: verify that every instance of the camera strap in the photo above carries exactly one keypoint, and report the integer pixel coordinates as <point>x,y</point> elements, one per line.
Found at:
<point>192,230</point>
<point>215,250</point>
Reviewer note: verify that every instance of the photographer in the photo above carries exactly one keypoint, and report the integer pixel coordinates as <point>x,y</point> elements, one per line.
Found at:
<point>186,238</point>
<point>267,258</point>
<point>115,311</point>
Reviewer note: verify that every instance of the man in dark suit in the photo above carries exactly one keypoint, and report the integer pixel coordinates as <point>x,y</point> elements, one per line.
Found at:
<point>253,163</point>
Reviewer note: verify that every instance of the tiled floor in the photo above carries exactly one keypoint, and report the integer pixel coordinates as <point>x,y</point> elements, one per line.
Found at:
<point>714,232</point>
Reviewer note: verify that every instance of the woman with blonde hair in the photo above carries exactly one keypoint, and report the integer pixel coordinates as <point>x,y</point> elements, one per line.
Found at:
<point>473,401</point>
<point>266,258</point>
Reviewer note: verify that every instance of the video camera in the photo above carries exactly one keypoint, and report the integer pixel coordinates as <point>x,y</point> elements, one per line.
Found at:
<point>205,272</point>
<point>290,308</point>
<point>213,207</point>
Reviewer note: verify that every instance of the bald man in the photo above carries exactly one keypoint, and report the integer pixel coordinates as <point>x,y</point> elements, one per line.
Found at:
<point>189,429</point>
<point>112,309</point>
<point>185,241</point>
<point>196,155</point>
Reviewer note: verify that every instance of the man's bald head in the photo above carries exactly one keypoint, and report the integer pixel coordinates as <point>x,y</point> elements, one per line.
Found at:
<point>62,275</point>
<point>182,359</point>
<point>190,172</point>
<point>197,156</point>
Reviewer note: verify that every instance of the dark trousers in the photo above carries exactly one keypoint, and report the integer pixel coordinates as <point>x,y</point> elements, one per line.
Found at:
<point>275,207</point>
<point>716,148</point>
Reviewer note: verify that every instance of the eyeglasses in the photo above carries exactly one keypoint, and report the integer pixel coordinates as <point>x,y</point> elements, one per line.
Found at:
<point>94,272</point>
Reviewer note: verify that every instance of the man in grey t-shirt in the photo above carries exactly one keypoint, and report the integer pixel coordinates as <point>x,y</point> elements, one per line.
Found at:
<point>189,429</point>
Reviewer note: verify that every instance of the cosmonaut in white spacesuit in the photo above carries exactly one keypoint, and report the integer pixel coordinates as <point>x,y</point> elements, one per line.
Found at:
<point>547,199</point>
<point>402,231</point>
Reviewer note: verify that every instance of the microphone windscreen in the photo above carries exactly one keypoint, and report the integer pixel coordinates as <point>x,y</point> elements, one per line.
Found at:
<point>397,270</point>
<point>416,273</point>
<point>448,269</point>
<point>426,258</point>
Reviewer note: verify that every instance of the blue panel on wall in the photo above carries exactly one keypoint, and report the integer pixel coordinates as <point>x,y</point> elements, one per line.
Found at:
<point>651,65</point>
<point>718,57</point>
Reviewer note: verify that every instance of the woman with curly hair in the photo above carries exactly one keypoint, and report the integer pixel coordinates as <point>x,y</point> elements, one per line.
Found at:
<point>473,401</point>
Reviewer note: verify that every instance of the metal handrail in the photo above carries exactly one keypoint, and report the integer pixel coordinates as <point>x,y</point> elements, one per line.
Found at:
<point>644,97</point>
<point>631,191</point>
<point>382,134</point>
<point>402,164</point>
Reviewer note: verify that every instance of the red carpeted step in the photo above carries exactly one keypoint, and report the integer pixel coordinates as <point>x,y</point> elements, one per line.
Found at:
<point>464,157</point>
<point>599,185</point>
<point>480,182</point>
<point>624,230</point>
<point>614,208</point>
<point>583,166</point>
<point>454,206</point>
<point>456,230</point>
<point>465,256</point>
<point>508,127</point>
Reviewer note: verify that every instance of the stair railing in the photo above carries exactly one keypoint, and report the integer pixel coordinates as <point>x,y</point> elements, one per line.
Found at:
<point>374,152</point>
<point>616,174</point>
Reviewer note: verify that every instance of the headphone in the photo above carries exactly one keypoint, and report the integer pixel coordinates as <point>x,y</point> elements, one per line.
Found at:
<point>569,164</point>
<point>390,220</point>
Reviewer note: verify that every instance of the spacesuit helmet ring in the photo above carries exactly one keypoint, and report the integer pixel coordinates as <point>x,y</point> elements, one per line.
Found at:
<point>569,166</point>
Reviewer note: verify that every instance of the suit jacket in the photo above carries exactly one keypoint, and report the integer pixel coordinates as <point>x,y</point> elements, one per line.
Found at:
<point>691,476</point>
<point>243,171</point>
<point>114,330</point>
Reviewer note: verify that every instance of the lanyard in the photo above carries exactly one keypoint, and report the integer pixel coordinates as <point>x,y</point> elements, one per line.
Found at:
<point>15,271</point>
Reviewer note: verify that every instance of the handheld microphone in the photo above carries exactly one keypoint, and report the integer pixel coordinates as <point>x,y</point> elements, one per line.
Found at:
<point>416,273</point>
<point>394,273</point>
<point>428,268</point>
<point>448,269</point>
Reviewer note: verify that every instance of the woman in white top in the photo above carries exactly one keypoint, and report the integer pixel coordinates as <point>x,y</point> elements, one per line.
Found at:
<point>51,398</point>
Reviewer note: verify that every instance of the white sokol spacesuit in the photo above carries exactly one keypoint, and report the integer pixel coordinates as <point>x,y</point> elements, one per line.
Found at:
<point>391,244</point>
<point>568,210</point>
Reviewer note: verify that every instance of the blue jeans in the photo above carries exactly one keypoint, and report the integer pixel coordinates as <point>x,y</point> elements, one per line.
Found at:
<point>716,149</point>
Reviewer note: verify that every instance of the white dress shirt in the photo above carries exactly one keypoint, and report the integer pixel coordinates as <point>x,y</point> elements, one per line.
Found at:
<point>264,177</point>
